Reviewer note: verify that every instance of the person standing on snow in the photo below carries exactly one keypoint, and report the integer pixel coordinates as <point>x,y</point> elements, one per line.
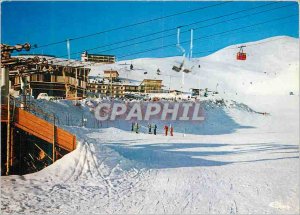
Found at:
<point>171,130</point>
<point>137,128</point>
<point>155,127</point>
<point>132,127</point>
<point>166,128</point>
<point>149,128</point>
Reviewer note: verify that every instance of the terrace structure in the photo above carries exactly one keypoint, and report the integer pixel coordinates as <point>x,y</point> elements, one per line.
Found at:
<point>151,86</point>
<point>30,137</point>
<point>111,75</point>
<point>115,89</point>
<point>98,58</point>
<point>56,77</point>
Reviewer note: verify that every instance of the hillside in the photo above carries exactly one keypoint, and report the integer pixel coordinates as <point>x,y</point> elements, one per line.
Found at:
<point>236,161</point>
<point>271,67</point>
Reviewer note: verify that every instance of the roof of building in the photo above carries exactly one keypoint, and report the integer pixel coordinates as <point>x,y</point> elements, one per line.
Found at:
<point>115,83</point>
<point>152,79</point>
<point>57,61</point>
<point>111,71</point>
<point>45,55</point>
<point>105,55</point>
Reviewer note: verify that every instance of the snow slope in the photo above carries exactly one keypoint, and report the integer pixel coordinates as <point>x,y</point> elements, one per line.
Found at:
<point>236,162</point>
<point>115,171</point>
<point>270,64</point>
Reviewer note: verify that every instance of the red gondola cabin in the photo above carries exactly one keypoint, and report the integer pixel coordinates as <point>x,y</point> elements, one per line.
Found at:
<point>241,55</point>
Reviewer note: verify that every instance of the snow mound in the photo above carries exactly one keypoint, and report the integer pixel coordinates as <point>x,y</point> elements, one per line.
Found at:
<point>216,113</point>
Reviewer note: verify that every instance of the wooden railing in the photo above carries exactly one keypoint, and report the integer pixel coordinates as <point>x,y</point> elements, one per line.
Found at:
<point>40,128</point>
<point>44,130</point>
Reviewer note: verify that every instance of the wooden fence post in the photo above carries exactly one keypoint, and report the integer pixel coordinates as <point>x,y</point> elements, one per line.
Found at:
<point>12,153</point>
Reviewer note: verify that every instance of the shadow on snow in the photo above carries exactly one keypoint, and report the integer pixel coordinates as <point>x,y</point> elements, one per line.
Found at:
<point>174,155</point>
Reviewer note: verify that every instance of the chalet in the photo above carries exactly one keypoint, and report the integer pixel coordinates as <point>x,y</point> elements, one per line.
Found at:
<point>118,89</point>
<point>114,89</point>
<point>151,86</point>
<point>131,88</point>
<point>107,89</point>
<point>98,58</point>
<point>55,77</point>
<point>111,74</point>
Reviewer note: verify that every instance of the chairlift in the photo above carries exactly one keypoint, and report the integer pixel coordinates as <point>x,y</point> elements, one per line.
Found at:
<point>182,66</point>
<point>182,50</point>
<point>158,72</point>
<point>178,69</point>
<point>186,70</point>
<point>241,55</point>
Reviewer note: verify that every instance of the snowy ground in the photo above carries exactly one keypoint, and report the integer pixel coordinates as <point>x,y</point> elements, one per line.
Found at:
<point>254,169</point>
<point>237,161</point>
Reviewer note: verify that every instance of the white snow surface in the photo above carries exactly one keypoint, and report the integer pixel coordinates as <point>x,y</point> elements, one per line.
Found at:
<point>235,162</point>
<point>271,64</point>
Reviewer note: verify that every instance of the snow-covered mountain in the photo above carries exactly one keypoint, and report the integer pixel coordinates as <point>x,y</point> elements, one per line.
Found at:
<point>272,67</point>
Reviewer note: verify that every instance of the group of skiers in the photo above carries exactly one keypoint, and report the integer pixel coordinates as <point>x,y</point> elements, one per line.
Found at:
<point>166,128</point>
<point>150,128</point>
<point>135,127</point>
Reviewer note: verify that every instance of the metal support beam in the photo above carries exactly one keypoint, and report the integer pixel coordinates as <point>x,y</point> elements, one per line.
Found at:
<point>4,84</point>
<point>191,45</point>
<point>8,139</point>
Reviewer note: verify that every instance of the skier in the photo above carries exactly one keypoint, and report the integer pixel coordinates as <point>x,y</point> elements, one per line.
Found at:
<point>131,67</point>
<point>166,130</point>
<point>149,128</point>
<point>171,130</point>
<point>132,126</point>
<point>206,92</point>
<point>155,127</point>
<point>137,128</point>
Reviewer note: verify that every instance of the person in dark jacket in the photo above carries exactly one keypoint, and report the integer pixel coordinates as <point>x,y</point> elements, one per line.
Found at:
<point>155,127</point>
<point>149,128</point>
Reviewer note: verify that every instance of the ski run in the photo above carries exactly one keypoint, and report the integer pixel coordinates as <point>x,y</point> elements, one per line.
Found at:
<point>238,161</point>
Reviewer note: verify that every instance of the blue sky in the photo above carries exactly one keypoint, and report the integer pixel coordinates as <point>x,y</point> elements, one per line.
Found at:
<point>47,22</point>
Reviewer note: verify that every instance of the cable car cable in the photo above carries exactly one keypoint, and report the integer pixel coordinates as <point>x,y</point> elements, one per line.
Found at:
<point>144,41</point>
<point>134,24</point>
<point>174,28</point>
<point>165,46</point>
<point>247,15</point>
